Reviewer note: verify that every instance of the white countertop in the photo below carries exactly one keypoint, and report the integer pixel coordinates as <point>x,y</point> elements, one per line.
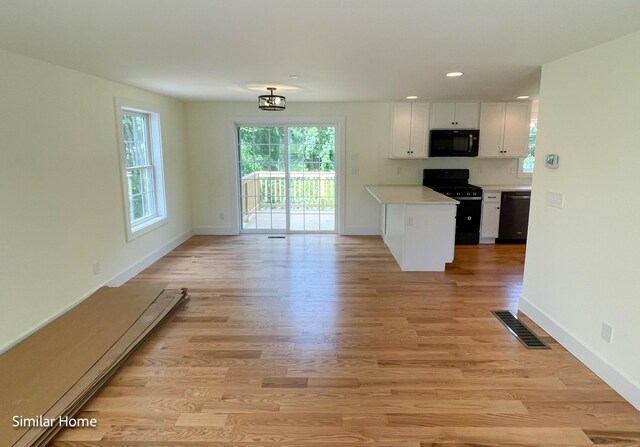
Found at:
<point>505,187</point>
<point>408,195</point>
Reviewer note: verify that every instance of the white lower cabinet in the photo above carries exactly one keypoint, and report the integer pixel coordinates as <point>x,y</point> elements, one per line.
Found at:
<point>490,221</point>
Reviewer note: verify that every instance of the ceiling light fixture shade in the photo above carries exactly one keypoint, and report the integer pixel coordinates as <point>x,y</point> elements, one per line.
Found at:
<point>271,102</point>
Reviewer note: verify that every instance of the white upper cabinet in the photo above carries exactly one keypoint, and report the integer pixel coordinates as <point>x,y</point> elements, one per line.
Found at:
<point>517,124</point>
<point>442,115</point>
<point>454,115</point>
<point>491,129</point>
<point>409,130</point>
<point>504,129</point>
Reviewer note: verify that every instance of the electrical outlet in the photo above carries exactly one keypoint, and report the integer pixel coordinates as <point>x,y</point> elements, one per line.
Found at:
<point>355,171</point>
<point>96,268</point>
<point>221,215</point>
<point>410,221</point>
<point>606,332</point>
<point>398,170</point>
<point>355,156</point>
<point>555,199</point>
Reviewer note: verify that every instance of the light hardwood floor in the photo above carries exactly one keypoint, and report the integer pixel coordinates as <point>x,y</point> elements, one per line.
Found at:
<point>320,340</point>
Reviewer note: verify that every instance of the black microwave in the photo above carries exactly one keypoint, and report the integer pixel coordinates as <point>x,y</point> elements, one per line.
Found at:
<point>454,143</point>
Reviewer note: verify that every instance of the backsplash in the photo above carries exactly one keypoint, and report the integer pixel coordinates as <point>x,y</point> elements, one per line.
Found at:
<point>481,170</point>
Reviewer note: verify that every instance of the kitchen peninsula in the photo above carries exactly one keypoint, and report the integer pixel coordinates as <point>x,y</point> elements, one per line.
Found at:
<point>417,224</point>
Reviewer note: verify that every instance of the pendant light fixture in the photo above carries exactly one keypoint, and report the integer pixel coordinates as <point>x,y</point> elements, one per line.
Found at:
<point>271,102</point>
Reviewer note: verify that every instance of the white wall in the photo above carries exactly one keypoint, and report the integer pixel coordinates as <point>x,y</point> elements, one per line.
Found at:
<point>60,190</point>
<point>583,266</point>
<point>368,127</point>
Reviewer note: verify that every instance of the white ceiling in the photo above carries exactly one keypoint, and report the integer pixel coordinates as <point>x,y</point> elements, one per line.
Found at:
<point>343,50</point>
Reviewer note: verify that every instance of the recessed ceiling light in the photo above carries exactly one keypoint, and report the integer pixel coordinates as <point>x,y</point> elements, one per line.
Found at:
<point>412,97</point>
<point>454,74</point>
<point>294,76</point>
<point>523,97</point>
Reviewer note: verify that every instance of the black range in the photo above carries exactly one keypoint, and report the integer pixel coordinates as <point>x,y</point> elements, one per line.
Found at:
<point>455,184</point>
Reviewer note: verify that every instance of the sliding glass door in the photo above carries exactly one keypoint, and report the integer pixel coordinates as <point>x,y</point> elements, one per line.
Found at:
<point>287,178</point>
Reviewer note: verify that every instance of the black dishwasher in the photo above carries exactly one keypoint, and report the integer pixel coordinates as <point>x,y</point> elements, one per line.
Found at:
<point>514,216</point>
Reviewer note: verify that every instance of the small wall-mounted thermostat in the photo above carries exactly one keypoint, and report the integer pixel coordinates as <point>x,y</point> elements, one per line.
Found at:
<point>552,161</point>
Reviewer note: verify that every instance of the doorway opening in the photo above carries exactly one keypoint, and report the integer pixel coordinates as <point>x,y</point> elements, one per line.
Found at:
<point>287,178</point>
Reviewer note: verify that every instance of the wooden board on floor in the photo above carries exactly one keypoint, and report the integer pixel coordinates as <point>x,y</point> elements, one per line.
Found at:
<point>38,371</point>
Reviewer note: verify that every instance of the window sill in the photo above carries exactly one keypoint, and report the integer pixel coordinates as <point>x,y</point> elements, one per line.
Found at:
<point>145,227</point>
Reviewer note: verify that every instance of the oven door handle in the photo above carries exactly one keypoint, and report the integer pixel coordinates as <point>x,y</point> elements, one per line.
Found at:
<point>466,198</point>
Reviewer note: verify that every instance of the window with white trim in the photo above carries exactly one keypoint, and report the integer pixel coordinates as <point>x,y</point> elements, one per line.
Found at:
<point>525,168</point>
<point>141,165</point>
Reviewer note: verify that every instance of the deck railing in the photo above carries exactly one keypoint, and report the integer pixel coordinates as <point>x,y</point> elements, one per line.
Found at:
<point>268,189</point>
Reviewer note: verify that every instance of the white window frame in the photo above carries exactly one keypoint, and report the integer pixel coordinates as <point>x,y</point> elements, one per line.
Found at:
<point>155,141</point>
<point>521,171</point>
<point>336,121</point>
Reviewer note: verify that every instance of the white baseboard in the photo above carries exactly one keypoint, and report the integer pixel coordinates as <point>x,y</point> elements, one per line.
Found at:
<point>145,262</point>
<point>116,281</point>
<point>5,347</point>
<point>601,367</point>
<point>213,231</point>
<point>361,231</point>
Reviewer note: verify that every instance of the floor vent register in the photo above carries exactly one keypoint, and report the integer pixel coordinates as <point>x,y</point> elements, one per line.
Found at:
<point>520,330</point>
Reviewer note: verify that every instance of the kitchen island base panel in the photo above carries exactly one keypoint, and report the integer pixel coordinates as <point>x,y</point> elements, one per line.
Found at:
<point>418,225</point>
<point>421,238</point>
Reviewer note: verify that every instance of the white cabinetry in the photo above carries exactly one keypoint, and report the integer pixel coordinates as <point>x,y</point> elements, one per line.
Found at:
<point>454,115</point>
<point>490,221</point>
<point>418,225</point>
<point>409,132</point>
<point>504,129</point>
<point>517,124</point>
